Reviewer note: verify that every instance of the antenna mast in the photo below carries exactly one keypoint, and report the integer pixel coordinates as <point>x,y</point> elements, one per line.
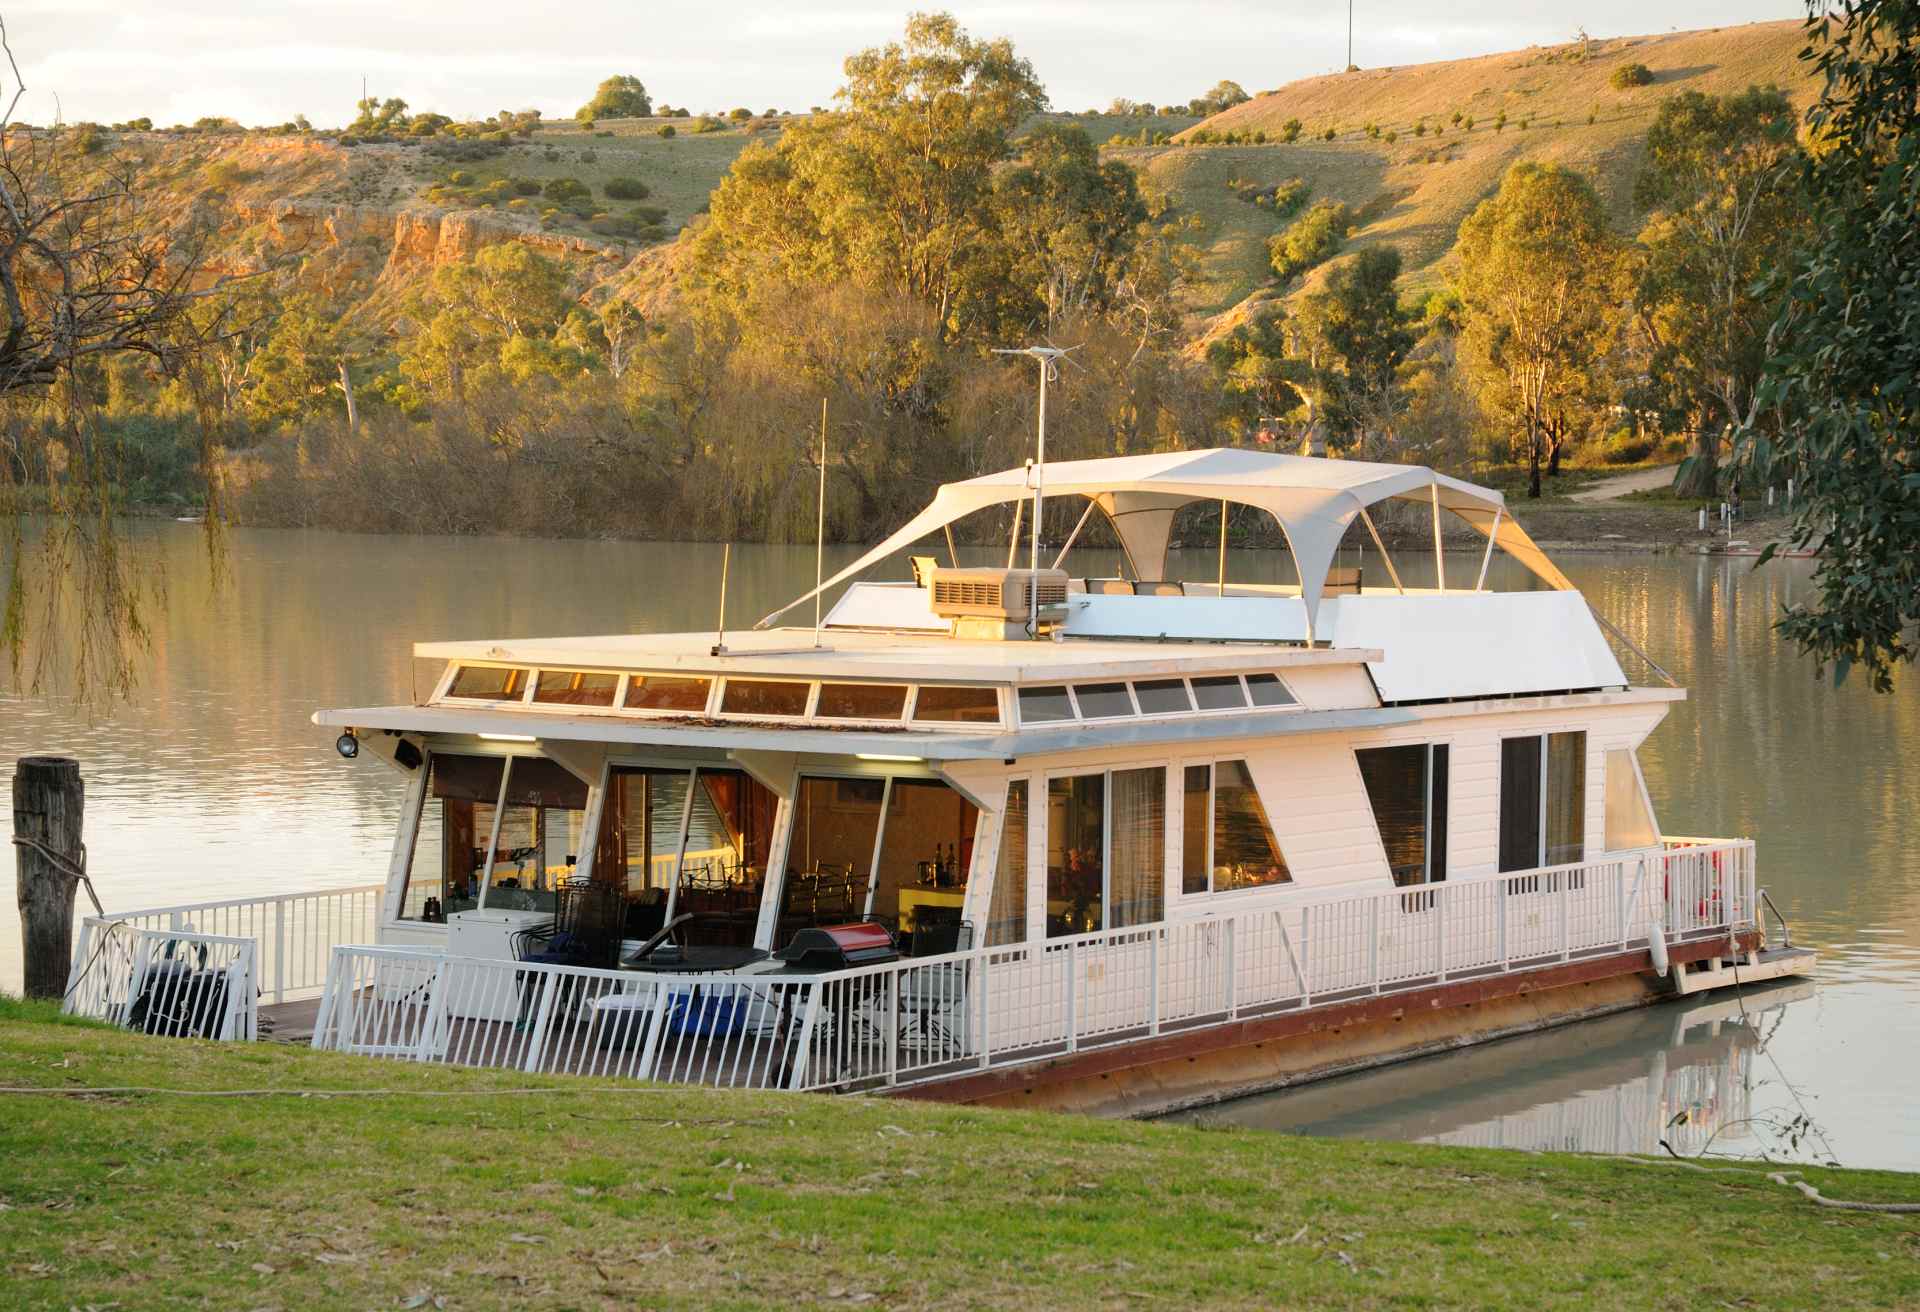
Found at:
<point>1048,358</point>
<point>820,535</point>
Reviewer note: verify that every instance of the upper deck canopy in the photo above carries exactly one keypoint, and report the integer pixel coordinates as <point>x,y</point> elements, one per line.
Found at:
<point>1314,500</point>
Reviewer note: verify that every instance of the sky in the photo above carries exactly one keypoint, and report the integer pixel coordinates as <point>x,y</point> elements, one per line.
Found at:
<point>265,60</point>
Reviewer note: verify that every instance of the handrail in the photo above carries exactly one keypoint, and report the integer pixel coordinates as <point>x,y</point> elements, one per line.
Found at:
<point>1786,933</point>
<point>905,1022</point>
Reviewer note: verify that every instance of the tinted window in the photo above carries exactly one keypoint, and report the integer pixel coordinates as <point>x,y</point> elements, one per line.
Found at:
<point>1162,696</point>
<point>660,692</point>
<point>957,705</point>
<point>1039,705</point>
<point>575,688</point>
<point>862,701</point>
<point>1103,701</point>
<point>763,697</point>
<point>488,684</point>
<point>1267,690</point>
<point>1219,694</point>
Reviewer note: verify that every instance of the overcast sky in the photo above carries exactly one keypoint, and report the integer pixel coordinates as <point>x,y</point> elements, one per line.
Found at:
<point>262,61</point>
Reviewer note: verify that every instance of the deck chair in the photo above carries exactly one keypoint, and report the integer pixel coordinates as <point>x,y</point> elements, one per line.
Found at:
<point>1342,581</point>
<point>923,567</point>
<point>1159,588</point>
<point>933,998</point>
<point>1110,587</point>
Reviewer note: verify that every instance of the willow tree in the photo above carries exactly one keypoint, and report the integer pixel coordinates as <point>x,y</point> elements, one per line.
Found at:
<point>89,272</point>
<point>1720,183</point>
<point>1539,278</point>
<point>1838,409</point>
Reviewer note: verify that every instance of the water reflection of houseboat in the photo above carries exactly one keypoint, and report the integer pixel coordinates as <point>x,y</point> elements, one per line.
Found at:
<point>1619,1084</point>
<point>1020,835</point>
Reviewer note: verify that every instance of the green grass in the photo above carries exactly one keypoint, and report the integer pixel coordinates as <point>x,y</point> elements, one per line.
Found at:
<point>582,1195</point>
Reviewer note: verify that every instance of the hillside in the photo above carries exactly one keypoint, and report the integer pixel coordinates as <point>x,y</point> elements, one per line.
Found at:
<point>1416,189</point>
<point>369,220</point>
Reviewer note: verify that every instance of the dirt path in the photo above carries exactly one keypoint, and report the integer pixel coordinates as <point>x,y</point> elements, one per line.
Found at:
<point>1640,480</point>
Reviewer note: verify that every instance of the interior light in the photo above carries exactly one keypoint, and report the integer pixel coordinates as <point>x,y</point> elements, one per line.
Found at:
<point>507,737</point>
<point>879,756</point>
<point>347,745</point>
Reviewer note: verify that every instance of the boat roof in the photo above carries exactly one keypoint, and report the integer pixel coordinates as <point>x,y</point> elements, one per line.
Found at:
<point>1314,500</point>
<point>864,654</point>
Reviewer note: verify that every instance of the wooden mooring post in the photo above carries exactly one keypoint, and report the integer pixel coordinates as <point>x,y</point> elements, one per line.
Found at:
<point>49,802</point>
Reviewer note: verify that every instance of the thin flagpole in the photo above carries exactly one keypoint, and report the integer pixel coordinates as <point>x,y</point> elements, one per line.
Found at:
<point>820,535</point>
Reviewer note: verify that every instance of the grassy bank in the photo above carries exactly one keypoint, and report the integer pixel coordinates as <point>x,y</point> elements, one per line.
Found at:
<point>584,1196</point>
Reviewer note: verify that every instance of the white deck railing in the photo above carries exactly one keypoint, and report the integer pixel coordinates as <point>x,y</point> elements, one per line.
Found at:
<point>163,981</point>
<point>294,934</point>
<point>914,1020</point>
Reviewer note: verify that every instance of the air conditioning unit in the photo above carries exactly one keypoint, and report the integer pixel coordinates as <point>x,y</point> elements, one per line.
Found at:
<point>997,594</point>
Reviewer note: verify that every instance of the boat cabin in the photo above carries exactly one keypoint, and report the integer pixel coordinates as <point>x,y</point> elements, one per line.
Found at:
<point>1011,756</point>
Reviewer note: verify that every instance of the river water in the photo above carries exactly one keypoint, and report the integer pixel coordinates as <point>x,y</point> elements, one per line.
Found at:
<point>212,782</point>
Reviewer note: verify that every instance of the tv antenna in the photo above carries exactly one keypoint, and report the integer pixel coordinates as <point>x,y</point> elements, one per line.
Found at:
<point>1048,358</point>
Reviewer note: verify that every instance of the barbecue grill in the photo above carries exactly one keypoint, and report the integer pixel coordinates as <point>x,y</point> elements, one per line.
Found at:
<point>839,947</point>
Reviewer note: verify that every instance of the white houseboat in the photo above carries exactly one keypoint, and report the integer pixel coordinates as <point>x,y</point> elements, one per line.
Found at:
<point>1016,835</point>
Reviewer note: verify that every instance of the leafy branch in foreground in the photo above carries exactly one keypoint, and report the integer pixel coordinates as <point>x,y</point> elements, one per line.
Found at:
<point>87,274</point>
<point>1842,381</point>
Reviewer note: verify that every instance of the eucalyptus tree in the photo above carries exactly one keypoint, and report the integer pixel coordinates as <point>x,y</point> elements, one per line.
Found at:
<point>1838,405</point>
<point>1721,185</point>
<point>1539,277</point>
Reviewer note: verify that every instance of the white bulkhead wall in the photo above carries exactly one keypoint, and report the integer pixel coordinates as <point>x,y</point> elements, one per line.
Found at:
<point>1311,787</point>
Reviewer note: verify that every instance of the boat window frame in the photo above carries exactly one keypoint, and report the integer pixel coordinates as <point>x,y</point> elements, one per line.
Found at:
<point>1210,896</point>
<point>1247,706</point>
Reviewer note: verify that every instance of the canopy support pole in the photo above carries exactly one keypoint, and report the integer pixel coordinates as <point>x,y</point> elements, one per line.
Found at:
<point>1013,543</point>
<point>953,557</point>
<point>1480,584</point>
<point>1223,547</point>
<point>1439,557</point>
<point>1381,547</point>
<point>1075,535</point>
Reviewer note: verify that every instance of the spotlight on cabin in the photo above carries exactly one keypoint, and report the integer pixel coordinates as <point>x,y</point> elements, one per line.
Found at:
<point>347,745</point>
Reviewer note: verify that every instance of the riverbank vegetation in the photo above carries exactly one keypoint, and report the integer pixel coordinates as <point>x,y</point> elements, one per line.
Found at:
<point>591,328</point>
<point>464,1189</point>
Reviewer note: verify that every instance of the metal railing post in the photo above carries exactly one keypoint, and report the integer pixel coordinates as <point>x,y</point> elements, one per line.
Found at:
<point>280,951</point>
<point>656,1029</point>
<point>542,1013</point>
<point>1233,991</point>
<point>1505,889</point>
<point>1566,915</point>
<point>1153,981</point>
<point>893,1027</point>
<point>1073,1020</point>
<point>981,986</point>
<point>1373,944</point>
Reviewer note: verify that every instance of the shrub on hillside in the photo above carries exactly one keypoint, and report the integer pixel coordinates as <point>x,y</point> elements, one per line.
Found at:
<point>708,123</point>
<point>624,188</point>
<point>1628,76</point>
<point>649,214</point>
<point>1314,237</point>
<point>1328,135</point>
<point>621,96</point>
<point>1290,130</point>
<point>740,114</point>
<point>1625,447</point>
<point>666,130</point>
<point>526,186</point>
<point>566,189</point>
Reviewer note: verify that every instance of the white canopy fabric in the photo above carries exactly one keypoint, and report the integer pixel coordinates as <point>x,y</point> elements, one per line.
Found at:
<point>1314,501</point>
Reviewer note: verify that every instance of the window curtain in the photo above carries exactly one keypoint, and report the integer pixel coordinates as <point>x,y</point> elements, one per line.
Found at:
<point>1566,818</point>
<point>1137,879</point>
<point>1007,909</point>
<point>1197,796</point>
<point>1629,823</point>
<point>1076,854</point>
